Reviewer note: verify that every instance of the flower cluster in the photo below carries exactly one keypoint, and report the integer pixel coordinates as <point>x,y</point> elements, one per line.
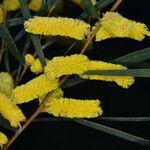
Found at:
<point>115,25</point>
<point>112,25</point>
<point>78,64</point>
<point>7,106</point>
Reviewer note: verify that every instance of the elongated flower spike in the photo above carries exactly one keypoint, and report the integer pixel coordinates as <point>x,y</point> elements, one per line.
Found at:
<point>10,111</point>
<point>35,5</point>
<point>33,89</point>
<point>73,108</point>
<point>53,26</point>
<point>11,5</point>
<point>124,81</point>
<point>3,139</point>
<point>59,66</point>
<point>115,25</point>
<point>6,83</point>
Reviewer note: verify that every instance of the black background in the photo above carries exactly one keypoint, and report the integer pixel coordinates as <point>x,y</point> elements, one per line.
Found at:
<point>116,101</point>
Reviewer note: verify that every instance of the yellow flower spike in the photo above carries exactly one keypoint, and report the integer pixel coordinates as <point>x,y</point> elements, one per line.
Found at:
<point>73,108</point>
<point>10,111</point>
<point>35,5</point>
<point>3,139</point>
<point>11,5</point>
<point>124,81</point>
<point>59,66</point>
<point>58,93</point>
<point>115,25</point>
<point>33,89</point>
<point>6,83</point>
<point>53,26</point>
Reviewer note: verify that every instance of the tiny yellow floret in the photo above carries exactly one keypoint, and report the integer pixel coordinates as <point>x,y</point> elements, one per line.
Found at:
<point>73,108</point>
<point>35,64</point>
<point>124,81</point>
<point>53,26</point>
<point>115,25</point>
<point>3,139</point>
<point>10,111</point>
<point>29,59</point>
<point>33,89</point>
<point>11,5</point>
<point>35,5</point>
<point>6,83</point>
<point>59,66</point>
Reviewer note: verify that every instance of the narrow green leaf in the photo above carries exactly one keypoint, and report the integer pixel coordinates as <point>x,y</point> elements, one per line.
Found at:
<point>14,22</point>
<point>129,72</point>
<point>89,7</point>
<point>110,119</point>
<point>134,57</point>
<point>38,48</point>
<point>6,60</point>
<point>24,9</point>
<point>72,82</point>
<point>19,35</point>
<point>114,132</point>
<point>98,6</point>
<point>102,4</point>
<point>126,119</point>
<point>4,123</point>
<point>35,39</point>
<point>5,35</point>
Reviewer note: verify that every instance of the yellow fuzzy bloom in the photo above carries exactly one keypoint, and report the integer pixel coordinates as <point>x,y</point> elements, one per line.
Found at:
<point>59,66</point>
<point>115,25</point>
<point>68,27</point>
<point>10,111</point>
<point>6,83</point>
<point>1,14</point>
<point>35,64</point>
<point>11,5</point>
<point>33,89</point>
<point>35,5</point>
<point>58,93</point>
<point>72,108</point>
<point>124,81</point>
<point>3,139</point>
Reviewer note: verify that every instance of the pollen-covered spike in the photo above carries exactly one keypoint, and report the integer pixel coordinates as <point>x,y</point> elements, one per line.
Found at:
<point>54,26</point>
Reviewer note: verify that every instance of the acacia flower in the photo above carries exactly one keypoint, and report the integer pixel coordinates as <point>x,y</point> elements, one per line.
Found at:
<point>115,25</point>
<point>10,111</point>
<point>33,89</point>
<point>11,5</point>
<point>124,81</point>
<point>35,64</point>
<point>6,83</point>
<point>35,5</point>
<point>59,66</point>
<point>53,26</point>
<point>73,108</point>
<point>3,139</point>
